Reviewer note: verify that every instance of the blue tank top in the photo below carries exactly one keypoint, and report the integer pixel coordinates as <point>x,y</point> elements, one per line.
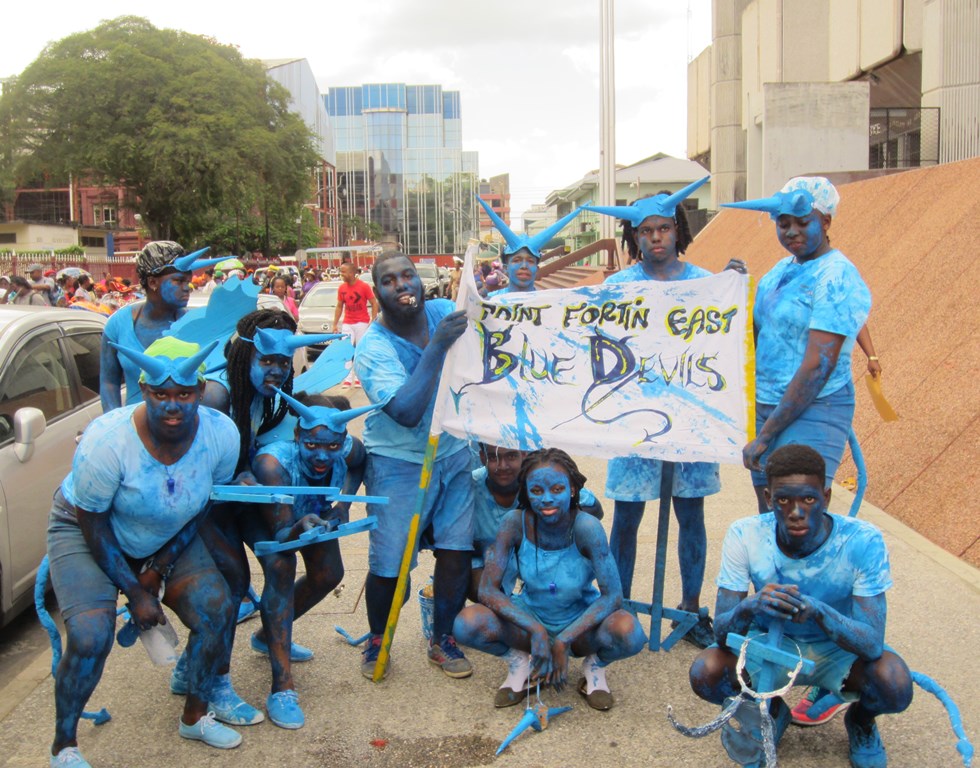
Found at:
<point>557,582</point>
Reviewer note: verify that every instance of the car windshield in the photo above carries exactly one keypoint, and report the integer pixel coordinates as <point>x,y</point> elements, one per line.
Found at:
<point>322,296</point>
<point>427,271</point>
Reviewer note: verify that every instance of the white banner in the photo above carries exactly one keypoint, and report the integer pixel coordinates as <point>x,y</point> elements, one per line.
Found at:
<point>656,369</point>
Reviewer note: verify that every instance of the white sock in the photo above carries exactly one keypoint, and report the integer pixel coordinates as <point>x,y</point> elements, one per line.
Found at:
<point>595,674</point>
<point>518,669</point>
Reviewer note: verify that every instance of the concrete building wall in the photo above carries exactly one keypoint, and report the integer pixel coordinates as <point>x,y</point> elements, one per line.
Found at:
<point>699,104</point>
<point>881,32</point>
<point>844,39</point>
<point>809,127</point>
<point>952,82</point>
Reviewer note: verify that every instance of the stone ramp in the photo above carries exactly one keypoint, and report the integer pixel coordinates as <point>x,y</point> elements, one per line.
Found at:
<point>915,236</point>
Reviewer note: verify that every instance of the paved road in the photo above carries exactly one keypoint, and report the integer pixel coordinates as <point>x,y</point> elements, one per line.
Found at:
<point>418,717</point>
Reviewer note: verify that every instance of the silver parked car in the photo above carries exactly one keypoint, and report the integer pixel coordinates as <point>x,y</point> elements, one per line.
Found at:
<point>316,313</point>
<point>49,392</point>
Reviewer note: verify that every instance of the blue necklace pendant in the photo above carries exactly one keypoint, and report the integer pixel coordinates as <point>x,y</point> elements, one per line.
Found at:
<point>171,484</point>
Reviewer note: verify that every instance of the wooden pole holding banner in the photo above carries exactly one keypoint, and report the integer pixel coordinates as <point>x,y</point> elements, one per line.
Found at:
<point>412,540</point>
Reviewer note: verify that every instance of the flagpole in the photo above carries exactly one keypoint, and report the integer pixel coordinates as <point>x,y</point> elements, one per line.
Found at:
<point>467,286</point>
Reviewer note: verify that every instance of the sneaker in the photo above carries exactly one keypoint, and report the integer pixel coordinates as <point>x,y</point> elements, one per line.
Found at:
<point>742,737</point>
<point>297,653</point>
<point>446,654</point>
<point>345,385</point>
<point>211,732</point>
<point>598,699</point>
<point>357,384</point>
<point>808,712</point>
<point>178,678</point>
<point>228,707</point>
<point>865,747</point>
<point>369,657</point>
<point>702,634</point>
<point>69,756</point>
<point>284,710</point>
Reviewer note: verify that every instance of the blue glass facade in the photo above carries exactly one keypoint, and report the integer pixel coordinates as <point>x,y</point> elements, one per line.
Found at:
<point>400,163</point>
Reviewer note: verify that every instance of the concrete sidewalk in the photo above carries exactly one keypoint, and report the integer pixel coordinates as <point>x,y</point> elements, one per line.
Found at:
<point>419,717</point>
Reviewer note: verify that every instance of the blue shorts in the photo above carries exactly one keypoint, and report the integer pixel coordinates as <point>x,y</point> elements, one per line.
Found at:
<point>81,585</point>
<point>832,663</point>
<point>632,478</point>
<point>447,513</point>
<point>823,426</point>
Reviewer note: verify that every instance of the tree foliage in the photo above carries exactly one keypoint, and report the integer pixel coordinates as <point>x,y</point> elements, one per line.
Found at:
<point>192,130</point>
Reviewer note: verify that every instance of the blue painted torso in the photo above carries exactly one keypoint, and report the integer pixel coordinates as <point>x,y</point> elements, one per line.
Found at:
<point>568,570</point>
<point>120,329</point>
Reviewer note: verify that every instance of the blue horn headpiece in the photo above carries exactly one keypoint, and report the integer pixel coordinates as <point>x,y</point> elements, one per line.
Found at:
<point>184,371</point>
<point>190,262</point>
<point>799,202</point>
<point>658,205</point>
<point>312,416</point>
<point>516,242</point>
<point>282,341</point>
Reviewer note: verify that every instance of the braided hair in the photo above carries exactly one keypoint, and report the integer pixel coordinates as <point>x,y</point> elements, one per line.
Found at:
<point>684,237</point>
<point>155,255</point>
<point>239,354</point>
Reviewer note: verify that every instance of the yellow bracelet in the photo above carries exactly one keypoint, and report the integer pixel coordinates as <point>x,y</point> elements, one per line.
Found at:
<point>872,357</point>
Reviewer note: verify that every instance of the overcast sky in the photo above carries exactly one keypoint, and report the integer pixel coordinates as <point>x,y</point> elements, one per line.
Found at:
<point>527,70</point>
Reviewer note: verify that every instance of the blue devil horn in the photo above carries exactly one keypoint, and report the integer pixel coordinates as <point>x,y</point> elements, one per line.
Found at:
<point>538,241</point>
<point>154,367</point>
<point>670,204</point>
<point>190,262</point>
<point>188,367</point>
<point>514,241</point>
<point>796,203</point>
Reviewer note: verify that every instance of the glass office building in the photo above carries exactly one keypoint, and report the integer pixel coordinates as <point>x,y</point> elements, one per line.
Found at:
<point>401,164</point>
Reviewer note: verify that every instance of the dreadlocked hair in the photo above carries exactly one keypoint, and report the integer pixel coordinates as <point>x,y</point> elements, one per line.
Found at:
<point>239,353</point>
<point>542,458</point>
<point>684,237</point>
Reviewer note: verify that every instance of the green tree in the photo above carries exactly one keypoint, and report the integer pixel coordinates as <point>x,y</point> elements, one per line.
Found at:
<point>192,130</point>
<point>359,229</point>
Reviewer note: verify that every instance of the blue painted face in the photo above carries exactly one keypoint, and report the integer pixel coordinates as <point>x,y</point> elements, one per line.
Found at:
<point>656,237</point>
<point>503,467</point>
<point>522,268</point>
<point>318,447</point>
<point>175,288</point>
<point>268,372</point>
<point>799,503</point>
<point>399,288</point>
<point>171,409</point>
<point>802,236</point>
<point>549,492</point>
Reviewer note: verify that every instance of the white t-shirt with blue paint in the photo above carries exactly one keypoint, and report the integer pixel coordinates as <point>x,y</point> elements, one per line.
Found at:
<point>852,562</point>
<point>113,473</point>
<point>823,294</point>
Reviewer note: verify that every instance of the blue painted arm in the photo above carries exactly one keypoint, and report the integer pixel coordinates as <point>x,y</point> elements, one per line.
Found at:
<point>734,612</point>
<point>356,464</point>
<point>110,378</point>
<point>412,399</point>
<point>862,633</point>
<point>277,516</point>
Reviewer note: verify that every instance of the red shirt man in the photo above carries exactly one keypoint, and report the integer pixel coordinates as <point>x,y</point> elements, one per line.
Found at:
<point>353,298</point>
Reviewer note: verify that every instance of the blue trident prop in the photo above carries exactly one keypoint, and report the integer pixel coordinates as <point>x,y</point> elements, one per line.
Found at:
<point>537,717</point>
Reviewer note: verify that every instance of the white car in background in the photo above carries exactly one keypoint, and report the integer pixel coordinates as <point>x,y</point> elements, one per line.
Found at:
<point>316,313</point>
<point>49,393</point>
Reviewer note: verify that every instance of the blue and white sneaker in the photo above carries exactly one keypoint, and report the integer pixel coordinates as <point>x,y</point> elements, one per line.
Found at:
<point>297,653</point>
<point>249,605</point>
<point>228,707</point>
<point>71,757</point>
<point>284,710</point>
<point>209,731</point>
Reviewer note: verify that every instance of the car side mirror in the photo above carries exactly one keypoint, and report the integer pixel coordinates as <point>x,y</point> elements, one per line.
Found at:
<point>29,425</point>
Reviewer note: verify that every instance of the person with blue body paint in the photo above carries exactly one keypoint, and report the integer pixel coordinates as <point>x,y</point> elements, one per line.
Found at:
<point>125,519</point>
<point>399,361</point>
<point>655,233</point>
<point>259,358</point>
<point>826,577</point>
<point>164,269</point>
<point>521,253</point>
<point>809,309</point>
<point>495,486</point>
<point>559,553</point>
<point>321,454</point>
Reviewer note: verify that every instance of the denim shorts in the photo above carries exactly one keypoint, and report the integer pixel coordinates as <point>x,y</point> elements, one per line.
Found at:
<point>832,664</point>
<point>80,584</point>
<point>823,426</point>
<point>447,513</point>
<point>633,478</point>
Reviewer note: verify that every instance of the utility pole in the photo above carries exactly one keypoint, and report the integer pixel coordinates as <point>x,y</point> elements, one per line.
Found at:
<point>607,116</point>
